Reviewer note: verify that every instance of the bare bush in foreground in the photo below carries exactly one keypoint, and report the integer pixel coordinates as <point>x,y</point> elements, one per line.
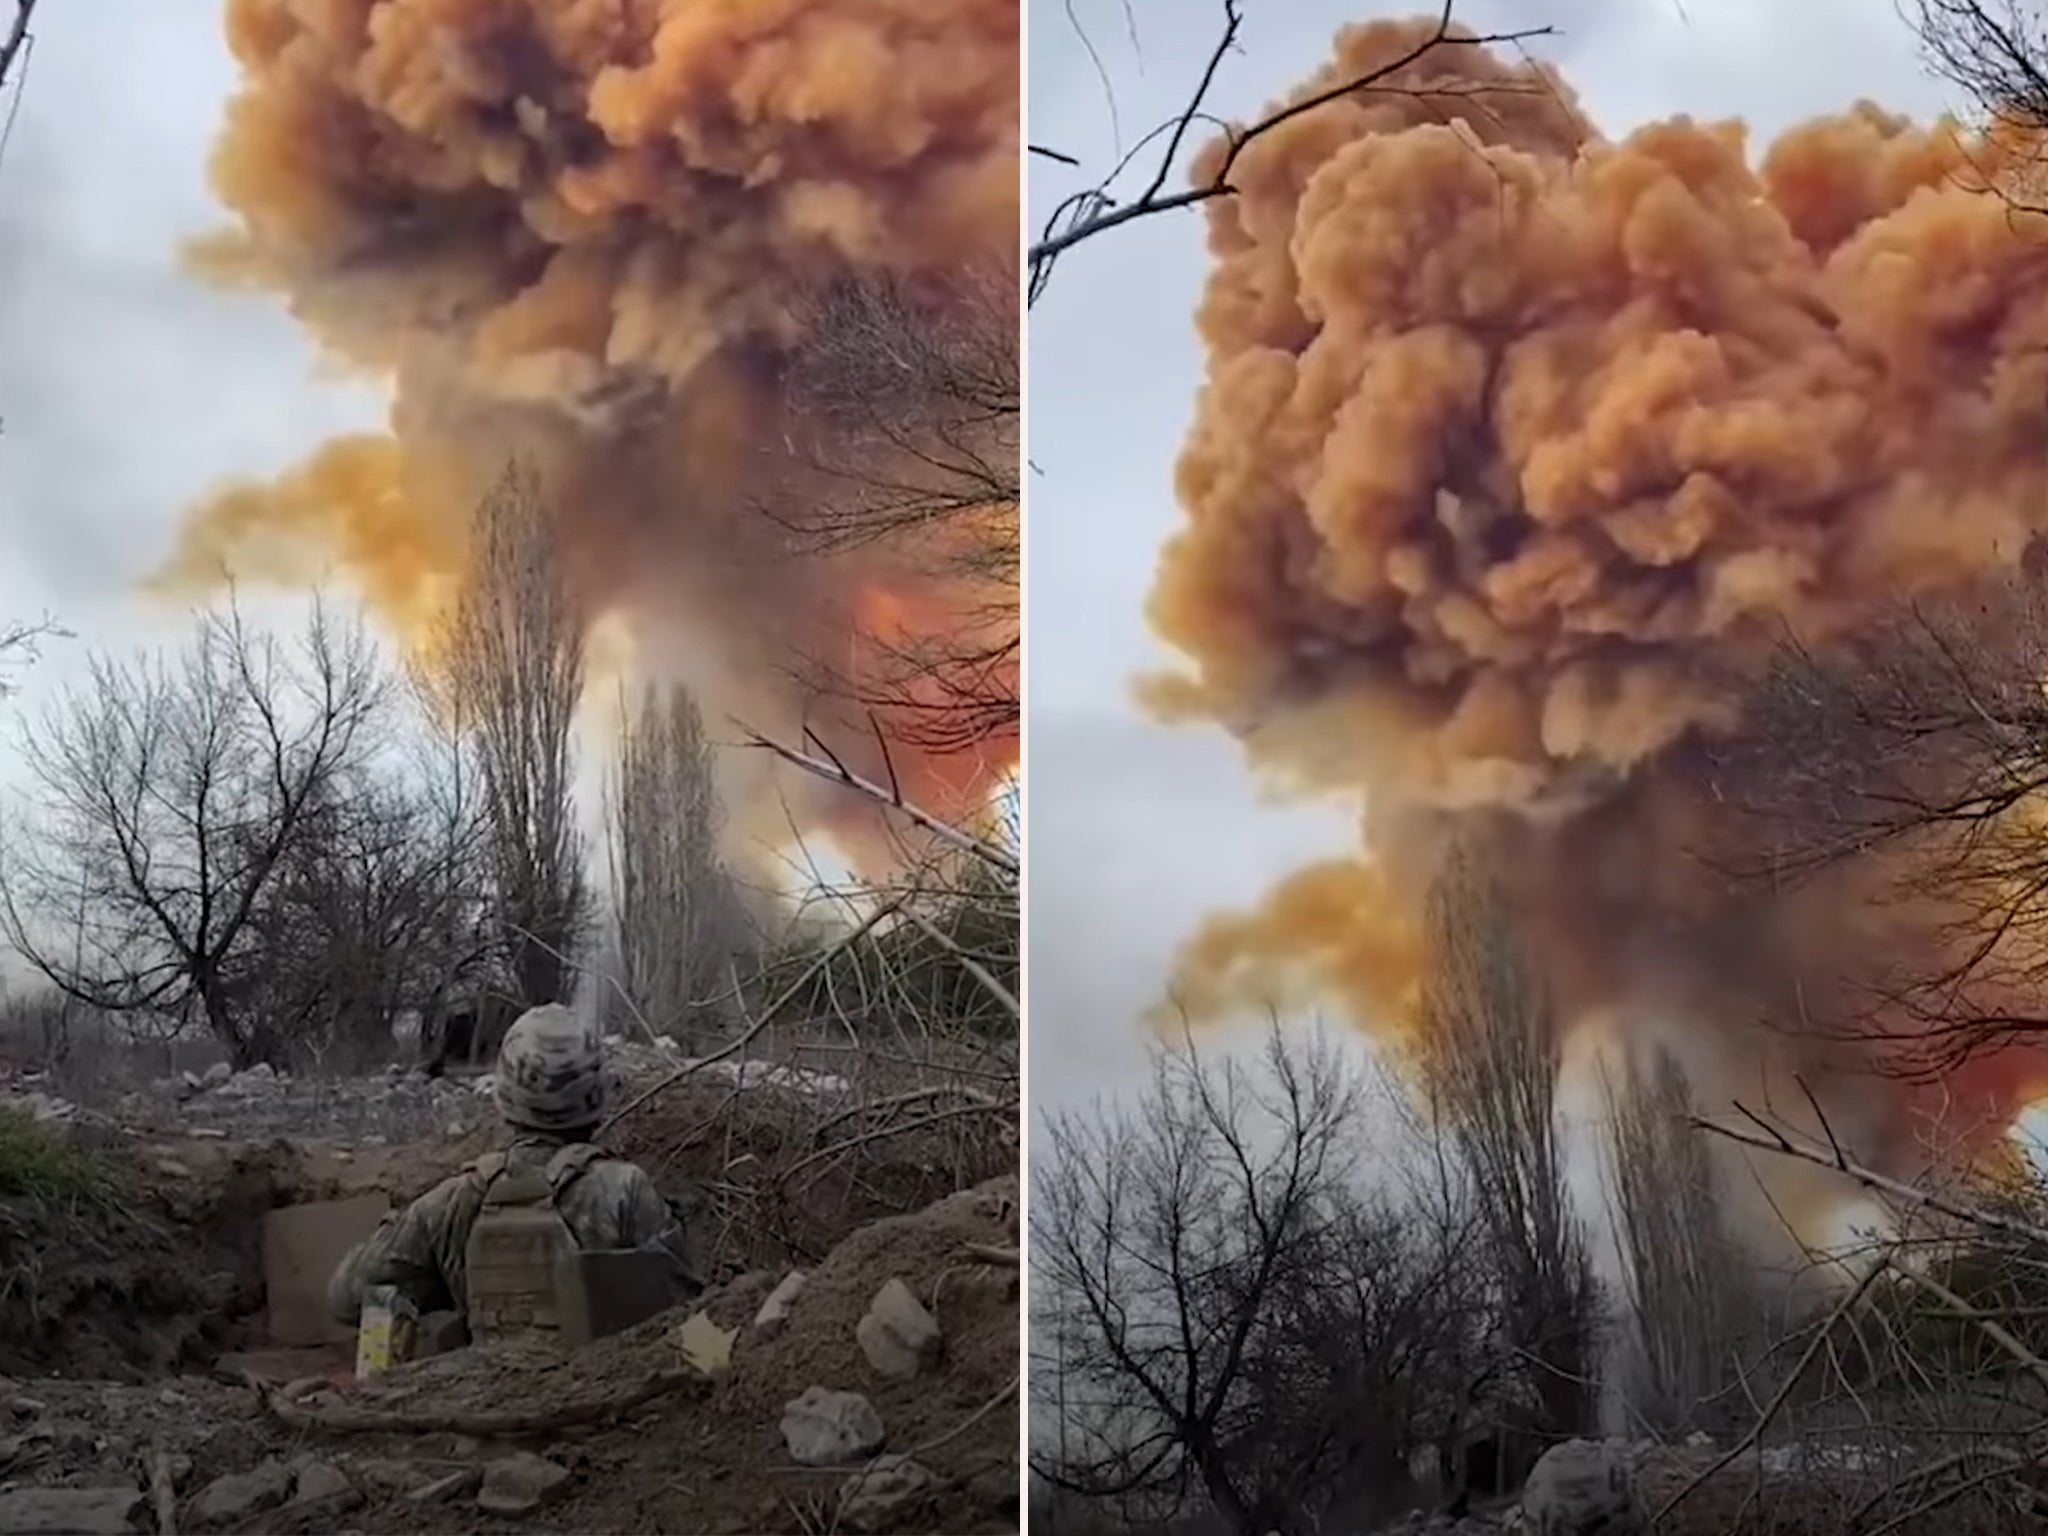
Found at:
<point>832,1111</point>
<point>1916,1396</point>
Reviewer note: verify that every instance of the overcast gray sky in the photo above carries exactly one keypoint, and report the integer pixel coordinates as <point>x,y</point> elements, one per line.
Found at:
<point>126,390</point>
<point>1135,831</point>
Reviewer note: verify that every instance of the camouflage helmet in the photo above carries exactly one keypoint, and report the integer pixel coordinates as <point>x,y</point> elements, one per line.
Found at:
<point>550,1072</point>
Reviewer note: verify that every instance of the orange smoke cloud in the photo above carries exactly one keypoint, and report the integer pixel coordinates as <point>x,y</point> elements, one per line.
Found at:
<point>598,235</point>
<point>1520,452</point>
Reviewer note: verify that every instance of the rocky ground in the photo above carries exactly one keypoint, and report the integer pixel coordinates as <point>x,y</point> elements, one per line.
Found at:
<point>850,1370</point>
<point>1701,1488</point>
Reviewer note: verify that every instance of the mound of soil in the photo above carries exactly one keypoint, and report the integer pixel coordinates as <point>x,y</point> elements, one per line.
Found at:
<point>758,1176</point>
<point>129,1288</point>
<point>168,1275</point>
<point>974,1302</point>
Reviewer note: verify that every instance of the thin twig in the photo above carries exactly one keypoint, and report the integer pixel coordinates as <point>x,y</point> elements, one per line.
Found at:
<point>883,1133</point>
<point>1777,1401</point>
<point>1993,1330</point>
<point>839,773</point>
<point>1004,997</point>
<point>1106,214</point>
<point>768,1014</point>
<point>17,37</point>
<point>1769,1138</point>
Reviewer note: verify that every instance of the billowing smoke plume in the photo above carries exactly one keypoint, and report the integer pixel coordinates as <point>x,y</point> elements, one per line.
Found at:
<point>598,236</point>
<point>1520,454</point>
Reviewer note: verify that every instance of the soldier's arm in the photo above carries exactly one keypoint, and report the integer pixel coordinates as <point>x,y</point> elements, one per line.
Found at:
<point>405,1251</point>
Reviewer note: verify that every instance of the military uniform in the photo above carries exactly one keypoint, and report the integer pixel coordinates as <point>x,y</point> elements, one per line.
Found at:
<point>606,1202</point>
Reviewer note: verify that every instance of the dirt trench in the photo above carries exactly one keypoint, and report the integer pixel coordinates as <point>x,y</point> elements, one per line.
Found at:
<point>128,1327</point>
<point>163,1276</point>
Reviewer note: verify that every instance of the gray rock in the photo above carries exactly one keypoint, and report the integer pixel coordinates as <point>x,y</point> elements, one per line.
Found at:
<point>257,1080</point>
<point>873,1497</point>
<point>69,1511</point>
<point>775,1310</point>
<point>228,1500</point>
<point>384,1474</point>
<point>323,1482</point>
<point>898,1335</point>
<point>1582,1488</point>
<point>456,1485</point>
<point>516,1484</point>
<point>216,1074</point>
<point>823,1428</point>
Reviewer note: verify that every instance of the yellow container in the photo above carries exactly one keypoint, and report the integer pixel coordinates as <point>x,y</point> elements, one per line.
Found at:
<point>384,1336</point>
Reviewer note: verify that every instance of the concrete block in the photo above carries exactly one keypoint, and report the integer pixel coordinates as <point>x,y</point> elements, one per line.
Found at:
<point>301,1246</point>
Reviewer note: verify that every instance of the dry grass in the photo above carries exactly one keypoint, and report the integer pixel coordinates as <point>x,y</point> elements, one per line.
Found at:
<point>40,1162</point>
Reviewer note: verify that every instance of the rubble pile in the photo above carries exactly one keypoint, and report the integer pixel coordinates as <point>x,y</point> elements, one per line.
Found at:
<point>397,1105</point>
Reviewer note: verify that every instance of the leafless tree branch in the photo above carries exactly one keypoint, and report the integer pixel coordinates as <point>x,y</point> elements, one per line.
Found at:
<point>1095,211</point>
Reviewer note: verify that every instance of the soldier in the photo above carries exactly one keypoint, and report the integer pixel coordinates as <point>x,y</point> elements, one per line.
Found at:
<point>485,1242</point>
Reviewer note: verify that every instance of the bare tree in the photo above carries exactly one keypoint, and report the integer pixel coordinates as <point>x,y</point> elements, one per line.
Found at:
<point>366,916</point>
<point>170,795</point>
<point>1225,1318</point>
<point>1993,49</point>
<point>1491,1055</point>
<point>675,912</point>
<point>1692,1311</point>
<point>1156,159</point>
<point>913,423</point>
<point>514,678</point>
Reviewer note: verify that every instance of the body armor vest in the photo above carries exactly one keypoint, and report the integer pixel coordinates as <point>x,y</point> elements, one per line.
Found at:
<point>518,1245</point>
